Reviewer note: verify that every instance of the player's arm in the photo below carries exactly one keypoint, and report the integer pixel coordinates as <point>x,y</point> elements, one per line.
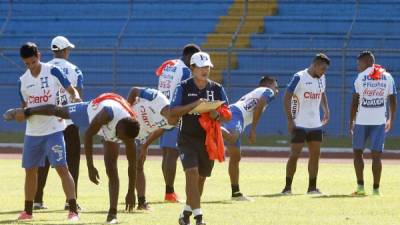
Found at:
<point>144,148</point>
<point>325,108</point>
<point>133,94</point>
<point>353,110</point>
<point>392,105</point>
<point>48,110</point>
<point>102,118</point>
<point>220,115</point>
<point>177,109</point>
<point>130,199</point>
<point>79,82</point>
<point>287,101</point>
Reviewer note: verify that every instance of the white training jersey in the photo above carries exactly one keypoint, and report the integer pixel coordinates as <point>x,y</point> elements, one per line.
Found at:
<point>173,72</point>
<point>307,93</point>
<point>148,108</point>
<point>248,102</point>
<point>115,110</point>
<point>42,90</point>
<point>373,97</point>
<point>75,77</point>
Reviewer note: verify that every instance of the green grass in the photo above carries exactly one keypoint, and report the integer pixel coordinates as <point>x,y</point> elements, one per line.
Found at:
<point>271,140</point>
<point>262,180</point>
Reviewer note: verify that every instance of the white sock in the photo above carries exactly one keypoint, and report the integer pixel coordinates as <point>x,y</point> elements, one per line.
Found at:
<point>197,212</point>
<point>186,208</point>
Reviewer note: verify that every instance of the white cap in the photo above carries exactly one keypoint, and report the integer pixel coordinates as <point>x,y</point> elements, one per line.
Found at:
<point>60,43</point>
<point>201,59</point>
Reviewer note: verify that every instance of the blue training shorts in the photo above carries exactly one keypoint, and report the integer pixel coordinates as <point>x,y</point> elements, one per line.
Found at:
<point>169,139</point>
<point>236,125</point>
<point>36,148</point>
<point>374,133</point>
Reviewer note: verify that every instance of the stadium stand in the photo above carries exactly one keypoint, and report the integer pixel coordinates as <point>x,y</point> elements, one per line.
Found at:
<point>121,42</point>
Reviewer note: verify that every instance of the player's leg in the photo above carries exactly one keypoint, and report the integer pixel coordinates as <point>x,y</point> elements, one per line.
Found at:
<point>73,146</point>
<point>314,139</point>
<point>296,146</point>
<point>56,153</point>
<point>41,183</point>
<point>111,151</point>
<point>190,164</point>
<point>33,156</point>
<point>130,197</point>
<point>170,156</point>
<point>377,145</point>
<point>141,185</point>
<point>359,139</point>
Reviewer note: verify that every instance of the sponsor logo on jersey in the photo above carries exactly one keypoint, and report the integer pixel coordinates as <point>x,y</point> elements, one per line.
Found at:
<point>374,92</point>
<point>40,99</point>
<point>295,106</point>
<point>373,103</point>
<point>250,104</point>
<point>192,94</point>
<point>374,84</point>
<point>145,116</point>
<point>312,95</point>
<point>368,78</point>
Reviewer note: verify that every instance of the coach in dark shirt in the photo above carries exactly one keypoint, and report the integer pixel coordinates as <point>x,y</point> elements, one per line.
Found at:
<point>191,140</point>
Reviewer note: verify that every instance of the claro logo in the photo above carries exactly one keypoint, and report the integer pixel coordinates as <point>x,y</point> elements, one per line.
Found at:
<point>40,99</point>
<point>311,95</point>
<point>145,116</point>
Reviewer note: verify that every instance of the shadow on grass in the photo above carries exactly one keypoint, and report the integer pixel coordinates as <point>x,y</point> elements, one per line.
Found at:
<point>276,195</point>
<point>34,212</point>
<point>337,196</point>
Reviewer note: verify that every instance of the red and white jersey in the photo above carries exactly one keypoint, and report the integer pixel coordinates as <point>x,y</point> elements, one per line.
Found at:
<point>171,73</point>
<point>307,93</point>
<point>115,110</point>
<point>75,77</point>
<point>148,108</point>
<point>373,97</point>
<point>42,90</point>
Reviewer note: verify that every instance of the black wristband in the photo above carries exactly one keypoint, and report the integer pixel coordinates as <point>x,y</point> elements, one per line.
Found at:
<point>27,112</point>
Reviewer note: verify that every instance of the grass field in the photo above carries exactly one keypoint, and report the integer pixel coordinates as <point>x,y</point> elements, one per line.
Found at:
<point>262,180</point>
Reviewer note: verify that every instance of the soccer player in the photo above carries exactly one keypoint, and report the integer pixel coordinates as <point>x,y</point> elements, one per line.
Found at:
<point>191,140</point>
<point>110,116</point>
<point>373,87</point>
<point>43,136</point>
<point>245,112</point>
<point>304,96</point>
<point>152,109</point>
<point>171,73</point>
<point>61,48</point>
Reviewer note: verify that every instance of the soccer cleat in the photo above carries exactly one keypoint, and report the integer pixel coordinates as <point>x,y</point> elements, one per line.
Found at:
<point>112,219</point>
<point>73,217</point>
<point>24,216</point>
<point>375,192</point>
<point>199,220</point>
<point>145,207</point>
<point>359,192</point>
<point>172,198</point>
<point>39,206</point>
<point>314,191</point>
<point>241,197</point>
<point>183,221</point>
<point>286,191</point>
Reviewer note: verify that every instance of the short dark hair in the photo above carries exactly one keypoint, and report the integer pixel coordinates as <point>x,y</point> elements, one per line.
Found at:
<point>321,57</point>
<point>267,80</point>
<point>130,126</point>
<point>28,50</point>
<point>190,49</point>
<point>366,55</point>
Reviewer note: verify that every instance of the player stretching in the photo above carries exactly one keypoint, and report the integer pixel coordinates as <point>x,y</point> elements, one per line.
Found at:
<point>247,111</point>
<point>110,116</point>
<point>372,88</point>
<point>152,109</point>
<point>304,96</point>
<point>61,48</point>
<point>191,141</point>
<point>171,73</point>
<point>44,134</point>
